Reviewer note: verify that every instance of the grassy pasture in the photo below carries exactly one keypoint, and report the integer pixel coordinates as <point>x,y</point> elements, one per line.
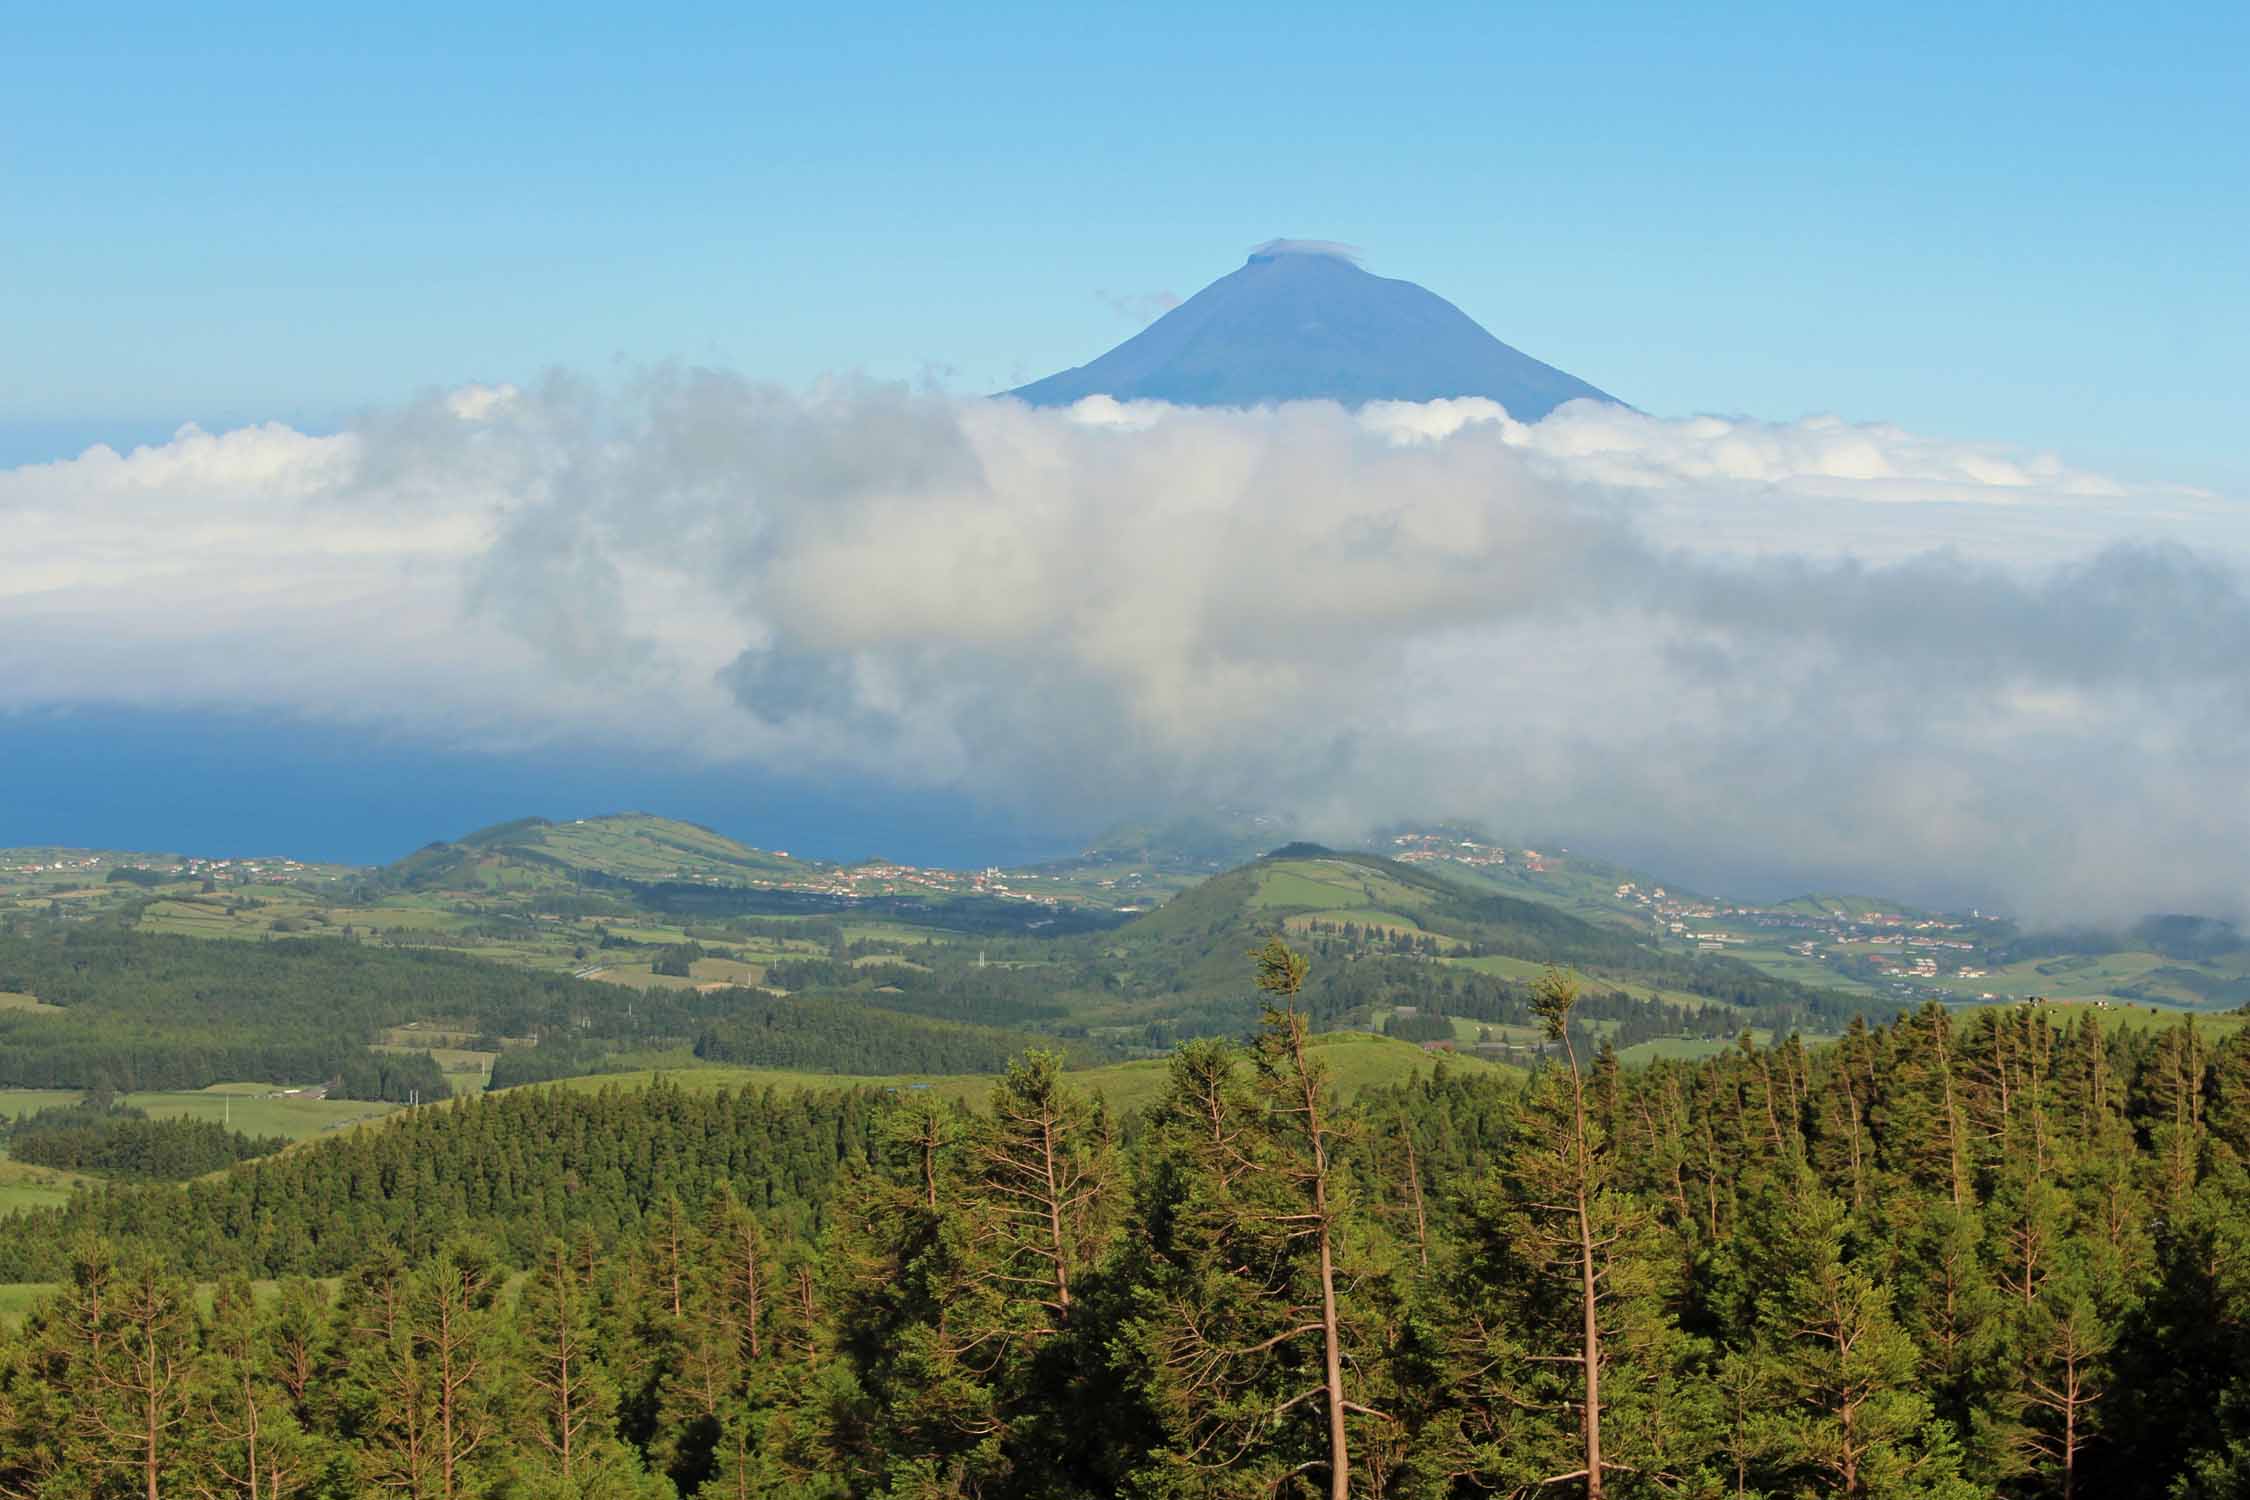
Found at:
<point>9,1000</point>
<point>298,1118</point>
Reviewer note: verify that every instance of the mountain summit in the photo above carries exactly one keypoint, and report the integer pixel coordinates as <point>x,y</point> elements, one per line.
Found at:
<point>1301,321</point>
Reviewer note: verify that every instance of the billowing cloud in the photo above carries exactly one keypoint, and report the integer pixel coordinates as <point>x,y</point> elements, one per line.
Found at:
<point>1779,651</point>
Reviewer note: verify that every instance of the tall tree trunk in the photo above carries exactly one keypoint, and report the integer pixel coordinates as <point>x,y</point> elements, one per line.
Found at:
<point>1588,1289</point>
<point>1332,1358</point>
<point>1414,1185</point>
<point>1058,1241</point>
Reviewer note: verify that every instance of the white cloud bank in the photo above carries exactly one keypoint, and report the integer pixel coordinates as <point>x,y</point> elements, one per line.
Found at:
<point>1811,647</point>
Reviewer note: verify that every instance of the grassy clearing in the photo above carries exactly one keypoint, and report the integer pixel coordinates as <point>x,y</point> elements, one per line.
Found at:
<point>1287,888</point>
<point>15,1103</point>
<point>10,1000</point>
<point>1468,1033</point>
<point>17,1298</point>
<point>1355,1061</point>
<point>25,1186</point>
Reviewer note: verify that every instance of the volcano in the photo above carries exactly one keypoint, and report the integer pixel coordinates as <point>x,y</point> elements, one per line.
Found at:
<point>1302,321</point>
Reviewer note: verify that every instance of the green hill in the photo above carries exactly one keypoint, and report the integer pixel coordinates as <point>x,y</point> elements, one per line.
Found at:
<point>1425,913</point>
<point>639,848</point>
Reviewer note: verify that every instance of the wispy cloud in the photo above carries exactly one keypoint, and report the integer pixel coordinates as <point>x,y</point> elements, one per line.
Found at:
<point>1795,649</point>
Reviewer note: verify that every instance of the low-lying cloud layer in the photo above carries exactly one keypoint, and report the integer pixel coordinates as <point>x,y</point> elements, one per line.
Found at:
<point>1799,650</point>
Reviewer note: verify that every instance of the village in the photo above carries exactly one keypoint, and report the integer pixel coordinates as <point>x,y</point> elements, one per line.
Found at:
<point>1903,946</point>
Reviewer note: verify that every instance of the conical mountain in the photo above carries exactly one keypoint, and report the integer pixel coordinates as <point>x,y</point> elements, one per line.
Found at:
<point>1301,321</point>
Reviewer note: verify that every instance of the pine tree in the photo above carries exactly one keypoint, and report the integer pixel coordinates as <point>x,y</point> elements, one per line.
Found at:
<point>2065,1344</point>
<point>1845,1147</point>
<point>2168,1101</point>
<point>573,1407</point>
<point>429,1400</point>
<point>1295,1093</point>
<point>2176,1419</point>
<point>1566,1353</point>
<point>1041,1180</point>
<point>2229,1110</point>
<point>249,1443</point>
<point>1947,1304</point>
<point>1853,1419</point>
<point>121,1338</point>
<point>921,1316</point>
<point>1921,1137</point>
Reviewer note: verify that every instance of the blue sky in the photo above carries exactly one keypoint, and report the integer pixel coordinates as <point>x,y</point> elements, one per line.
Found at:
<point>2014,223</point>
<point>2009,229</point>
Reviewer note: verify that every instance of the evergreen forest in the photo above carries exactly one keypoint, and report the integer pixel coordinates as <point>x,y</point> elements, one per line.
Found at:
<point>1945,1257</point>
